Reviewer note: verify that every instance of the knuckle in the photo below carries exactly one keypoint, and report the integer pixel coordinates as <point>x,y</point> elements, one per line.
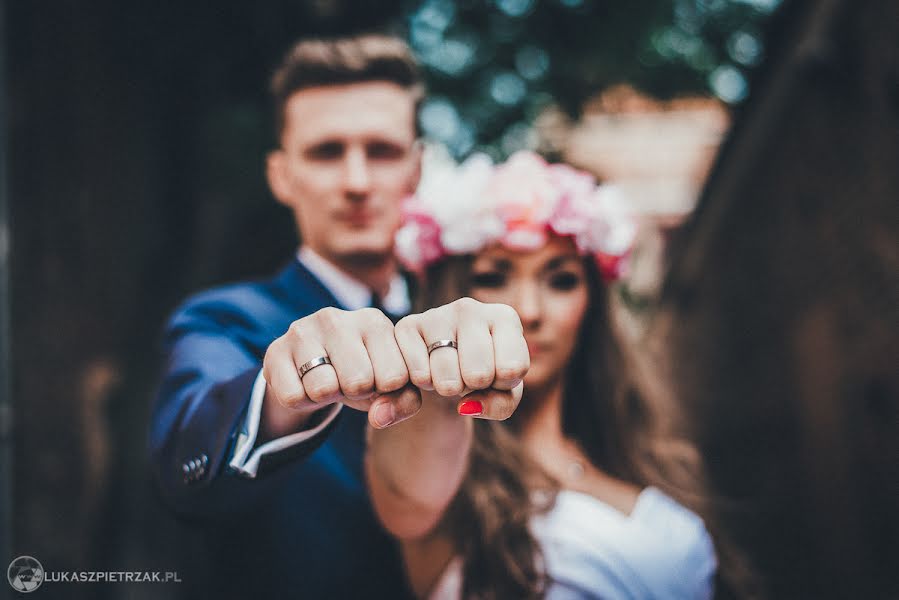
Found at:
<point>328,318</point>
<point>449,388</point>
<point>405,324</point>
<point>369,314</point>
<point>465,304</point>
<point>506,312</point>
<point>405,327</point>
<point>276,345</point>
<point>379,324</point>
<point>378,317</point>
<point>510,371</point>
<point>297,327</point>
<point>324,390</point>
<point>269,361</point>
<point>386,324</point>
<point>420,379</point>
<point>290,399</point>
<point>478,379</point>
<point>358,387</point>
<point>328,312</point>
<point>393,381</point>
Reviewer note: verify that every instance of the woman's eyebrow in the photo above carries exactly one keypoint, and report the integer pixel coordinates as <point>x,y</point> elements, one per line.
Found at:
<point>558,261</point>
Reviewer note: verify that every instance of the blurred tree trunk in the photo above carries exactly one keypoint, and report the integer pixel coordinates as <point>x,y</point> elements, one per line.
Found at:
<point>83,202</point>
<point>778,327</point>
<point>137,135</point>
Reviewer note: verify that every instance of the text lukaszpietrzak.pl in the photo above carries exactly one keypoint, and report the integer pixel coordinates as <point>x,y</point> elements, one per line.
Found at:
<point>112,577</point>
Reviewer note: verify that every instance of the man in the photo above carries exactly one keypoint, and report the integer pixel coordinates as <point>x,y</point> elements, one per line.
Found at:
<point>235,422</point>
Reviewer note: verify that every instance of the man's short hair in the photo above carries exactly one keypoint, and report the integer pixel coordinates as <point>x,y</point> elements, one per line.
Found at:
<point>336,61</point>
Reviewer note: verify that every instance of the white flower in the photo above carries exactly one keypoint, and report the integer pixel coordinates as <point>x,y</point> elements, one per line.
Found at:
<point>612,229</point>
<point>454,195</point>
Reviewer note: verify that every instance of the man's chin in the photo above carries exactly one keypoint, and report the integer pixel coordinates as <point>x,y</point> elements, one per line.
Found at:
<point>366,256</point>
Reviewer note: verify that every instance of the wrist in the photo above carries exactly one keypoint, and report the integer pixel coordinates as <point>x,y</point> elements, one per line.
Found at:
<point>278,420</point>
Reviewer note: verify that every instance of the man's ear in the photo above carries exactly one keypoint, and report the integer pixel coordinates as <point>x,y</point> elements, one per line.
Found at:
<point>279,180</point>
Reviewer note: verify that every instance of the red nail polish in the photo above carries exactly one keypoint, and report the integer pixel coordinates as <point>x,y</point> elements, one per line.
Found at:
<point>471,408</point>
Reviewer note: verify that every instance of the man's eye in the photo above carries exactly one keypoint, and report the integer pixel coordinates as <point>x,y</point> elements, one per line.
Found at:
<point>564,281</point>
<point>384,151</point>
<point>327,151</point>
<point>488,280</point>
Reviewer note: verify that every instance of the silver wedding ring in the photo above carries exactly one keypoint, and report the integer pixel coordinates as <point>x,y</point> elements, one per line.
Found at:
<point>441,344</point>
<point>315,362</point>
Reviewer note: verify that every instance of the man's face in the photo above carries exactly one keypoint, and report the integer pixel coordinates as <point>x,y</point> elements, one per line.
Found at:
<point>348,157</point>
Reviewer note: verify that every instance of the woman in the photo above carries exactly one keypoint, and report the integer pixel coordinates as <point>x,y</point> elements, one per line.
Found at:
<point>557,501</point>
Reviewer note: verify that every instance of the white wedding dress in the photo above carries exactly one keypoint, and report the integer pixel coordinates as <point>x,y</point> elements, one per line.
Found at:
<point>661,550</point>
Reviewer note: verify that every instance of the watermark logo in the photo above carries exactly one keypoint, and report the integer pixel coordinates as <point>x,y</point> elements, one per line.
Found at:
<point>25,574</point>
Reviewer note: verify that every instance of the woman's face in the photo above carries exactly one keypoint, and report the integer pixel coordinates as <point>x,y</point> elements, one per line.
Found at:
<point>548,288</point>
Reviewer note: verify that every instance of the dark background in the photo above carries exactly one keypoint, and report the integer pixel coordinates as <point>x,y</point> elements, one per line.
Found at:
<point>136,140</point>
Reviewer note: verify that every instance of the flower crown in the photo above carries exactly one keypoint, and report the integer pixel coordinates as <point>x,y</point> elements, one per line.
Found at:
<point>461,208</point>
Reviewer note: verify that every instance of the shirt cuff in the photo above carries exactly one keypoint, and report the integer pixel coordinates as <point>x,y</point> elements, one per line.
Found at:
<point>245,459</point>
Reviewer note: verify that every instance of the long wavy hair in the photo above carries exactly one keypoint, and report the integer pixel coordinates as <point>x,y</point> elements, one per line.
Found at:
<point>488,520</point>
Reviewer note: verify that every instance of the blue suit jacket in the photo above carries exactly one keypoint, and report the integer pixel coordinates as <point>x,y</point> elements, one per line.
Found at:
<point>304,528</point>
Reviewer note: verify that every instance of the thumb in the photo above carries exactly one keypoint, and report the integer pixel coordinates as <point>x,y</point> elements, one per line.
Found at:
<point>394,407</point>
<point>492,404</point>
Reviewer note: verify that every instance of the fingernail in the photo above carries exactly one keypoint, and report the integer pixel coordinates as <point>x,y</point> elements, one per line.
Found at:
<point>471,408</point>
<point>384,415</point>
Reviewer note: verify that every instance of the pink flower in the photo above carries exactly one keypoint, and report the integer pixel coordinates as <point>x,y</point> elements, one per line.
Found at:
<point>522,191</point>
<point>611,267</point>
<point>576,208</point>
<point>459,209</point>
<point>525,236</point>
<point>418,240</point>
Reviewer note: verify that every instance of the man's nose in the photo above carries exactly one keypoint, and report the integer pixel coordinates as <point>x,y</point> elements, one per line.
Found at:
<point>357,172</point>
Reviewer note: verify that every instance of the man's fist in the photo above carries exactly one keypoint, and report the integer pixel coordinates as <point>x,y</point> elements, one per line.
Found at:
<point>465,348</point>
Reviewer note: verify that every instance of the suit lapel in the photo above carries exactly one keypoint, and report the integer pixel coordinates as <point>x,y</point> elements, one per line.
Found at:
<point>303,291</point>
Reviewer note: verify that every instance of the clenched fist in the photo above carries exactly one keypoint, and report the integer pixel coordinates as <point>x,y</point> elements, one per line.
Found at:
<point>463,349</point>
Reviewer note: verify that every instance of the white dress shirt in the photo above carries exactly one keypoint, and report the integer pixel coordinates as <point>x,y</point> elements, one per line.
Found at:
<point>351,294</point>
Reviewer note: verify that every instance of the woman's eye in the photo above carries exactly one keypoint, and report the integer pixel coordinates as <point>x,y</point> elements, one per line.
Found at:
<point>564,281</point>
<point>488,280</point>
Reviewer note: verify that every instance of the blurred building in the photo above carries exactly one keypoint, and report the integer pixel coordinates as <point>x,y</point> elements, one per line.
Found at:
<point>660,152</point>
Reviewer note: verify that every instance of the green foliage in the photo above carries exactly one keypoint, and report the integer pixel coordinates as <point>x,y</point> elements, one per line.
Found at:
<point>494,65</point>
